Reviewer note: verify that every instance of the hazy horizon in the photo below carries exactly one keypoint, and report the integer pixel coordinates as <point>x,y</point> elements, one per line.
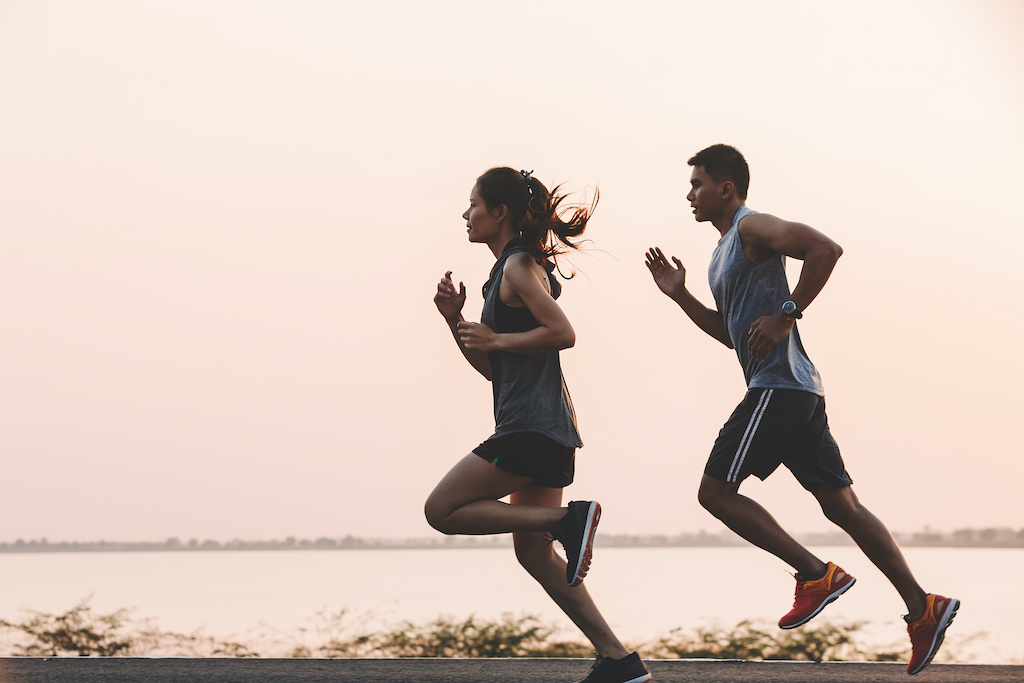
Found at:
<point>223,223</point>
<point>971,537</point>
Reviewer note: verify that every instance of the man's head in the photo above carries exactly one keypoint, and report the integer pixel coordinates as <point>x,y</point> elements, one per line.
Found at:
<point>718,185</point>
<point>722,163</point>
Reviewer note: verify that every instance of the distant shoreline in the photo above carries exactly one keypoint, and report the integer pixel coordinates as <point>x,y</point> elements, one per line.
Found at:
<point>961,538</point>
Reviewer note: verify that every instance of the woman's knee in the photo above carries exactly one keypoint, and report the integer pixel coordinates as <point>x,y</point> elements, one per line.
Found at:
<point>438,515</point>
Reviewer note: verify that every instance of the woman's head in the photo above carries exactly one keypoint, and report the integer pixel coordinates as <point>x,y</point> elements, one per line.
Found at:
<point>530,209</point>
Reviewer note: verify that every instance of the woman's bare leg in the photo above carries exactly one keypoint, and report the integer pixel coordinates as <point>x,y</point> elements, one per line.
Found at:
<point>537,555</point>
<point>466,501</point>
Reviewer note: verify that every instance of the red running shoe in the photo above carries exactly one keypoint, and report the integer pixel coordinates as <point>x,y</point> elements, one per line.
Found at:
<point>812,596</point>
<point>926,633</point>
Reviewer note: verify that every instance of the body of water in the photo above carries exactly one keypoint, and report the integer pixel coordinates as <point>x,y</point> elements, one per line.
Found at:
<point>643,592</point>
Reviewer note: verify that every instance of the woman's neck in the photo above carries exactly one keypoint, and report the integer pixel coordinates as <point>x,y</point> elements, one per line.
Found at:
<point>498,244</point>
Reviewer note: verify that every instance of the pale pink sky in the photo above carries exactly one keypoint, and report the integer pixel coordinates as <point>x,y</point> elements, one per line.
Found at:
<point>222,225</point>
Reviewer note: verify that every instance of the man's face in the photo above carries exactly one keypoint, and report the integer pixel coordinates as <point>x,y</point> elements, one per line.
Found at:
<point>705,195</point>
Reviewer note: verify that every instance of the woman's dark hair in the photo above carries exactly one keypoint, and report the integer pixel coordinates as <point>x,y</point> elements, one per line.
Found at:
<point>534,210</point>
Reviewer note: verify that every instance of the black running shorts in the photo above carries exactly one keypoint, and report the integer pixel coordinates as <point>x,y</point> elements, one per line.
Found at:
<point>773,427</point>
<point>529,454</point>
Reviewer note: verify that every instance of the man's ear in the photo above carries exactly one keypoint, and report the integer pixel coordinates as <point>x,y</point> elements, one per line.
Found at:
<point>728,189</point>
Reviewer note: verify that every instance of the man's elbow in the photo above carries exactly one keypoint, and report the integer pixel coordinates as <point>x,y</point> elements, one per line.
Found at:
<point>568,339</point>
<point>832,249</point>
<point>826,250</point>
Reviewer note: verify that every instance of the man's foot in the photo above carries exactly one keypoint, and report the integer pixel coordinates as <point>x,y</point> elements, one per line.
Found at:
<point>813,595</point>
<point>575,532</point>
<point>629,669</point>
<point>926,633</point>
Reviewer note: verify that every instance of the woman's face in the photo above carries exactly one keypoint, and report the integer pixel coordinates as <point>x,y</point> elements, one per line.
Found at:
<point>481,223</point>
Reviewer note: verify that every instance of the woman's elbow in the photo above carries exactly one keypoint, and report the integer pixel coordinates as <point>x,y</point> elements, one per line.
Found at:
<point>567,339</point>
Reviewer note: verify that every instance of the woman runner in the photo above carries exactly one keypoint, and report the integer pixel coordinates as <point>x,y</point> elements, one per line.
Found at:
<point>530,456</point>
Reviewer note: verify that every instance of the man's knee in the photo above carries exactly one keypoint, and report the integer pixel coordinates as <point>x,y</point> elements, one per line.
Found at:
<point>713,493</point>
<point>838,505</point>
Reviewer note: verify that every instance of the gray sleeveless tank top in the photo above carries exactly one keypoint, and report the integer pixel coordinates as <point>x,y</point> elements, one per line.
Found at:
<point>745,291</point>
<point>529,391</point>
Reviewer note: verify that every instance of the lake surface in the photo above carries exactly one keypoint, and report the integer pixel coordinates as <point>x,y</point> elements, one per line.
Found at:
<point>643,592</point>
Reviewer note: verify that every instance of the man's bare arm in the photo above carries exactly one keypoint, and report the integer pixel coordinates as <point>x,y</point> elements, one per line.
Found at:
<point>764,235</point>
<point>672,282</point>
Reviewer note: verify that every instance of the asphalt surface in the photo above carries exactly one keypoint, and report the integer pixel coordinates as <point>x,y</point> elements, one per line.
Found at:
<point>129,670</point>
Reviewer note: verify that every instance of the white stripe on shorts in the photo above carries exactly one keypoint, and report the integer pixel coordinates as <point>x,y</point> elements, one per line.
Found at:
<point>748,436</point>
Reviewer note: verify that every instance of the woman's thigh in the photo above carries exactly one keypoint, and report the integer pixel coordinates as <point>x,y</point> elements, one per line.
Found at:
<point>472,479</point>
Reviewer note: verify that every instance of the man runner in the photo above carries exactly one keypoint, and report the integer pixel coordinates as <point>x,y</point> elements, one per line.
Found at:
<point>781,420</point>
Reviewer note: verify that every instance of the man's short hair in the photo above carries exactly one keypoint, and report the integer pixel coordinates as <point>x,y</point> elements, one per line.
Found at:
<point>724,162</point>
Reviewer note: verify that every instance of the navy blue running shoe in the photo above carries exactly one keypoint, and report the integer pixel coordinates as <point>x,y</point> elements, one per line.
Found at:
<point>575,532</point>
<point>629,669</point>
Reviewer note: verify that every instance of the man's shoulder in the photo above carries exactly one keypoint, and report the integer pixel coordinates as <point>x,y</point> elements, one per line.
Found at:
<point>755,220</point>
<point>759,233</point>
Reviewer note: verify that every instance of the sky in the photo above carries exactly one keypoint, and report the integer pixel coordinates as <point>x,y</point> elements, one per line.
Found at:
<point>222,224</point>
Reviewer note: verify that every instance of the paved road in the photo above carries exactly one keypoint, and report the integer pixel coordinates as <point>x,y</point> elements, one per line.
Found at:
<point>127,670</point>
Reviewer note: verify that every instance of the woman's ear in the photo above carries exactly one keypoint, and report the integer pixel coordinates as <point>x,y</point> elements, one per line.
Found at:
<point>500,212</point>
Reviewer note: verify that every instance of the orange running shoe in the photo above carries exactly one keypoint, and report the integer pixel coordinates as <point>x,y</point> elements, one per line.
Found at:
<point>926,633</point>
<point>813,595</point>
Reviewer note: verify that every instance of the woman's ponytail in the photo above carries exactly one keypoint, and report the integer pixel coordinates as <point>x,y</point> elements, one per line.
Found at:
<point>536,212</point>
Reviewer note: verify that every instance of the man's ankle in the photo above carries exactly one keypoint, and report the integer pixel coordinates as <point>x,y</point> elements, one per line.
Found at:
<point>813,575</point>
<point>916,609</point>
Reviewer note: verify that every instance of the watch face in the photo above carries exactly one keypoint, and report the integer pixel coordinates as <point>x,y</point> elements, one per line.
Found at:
<point>789,308</point>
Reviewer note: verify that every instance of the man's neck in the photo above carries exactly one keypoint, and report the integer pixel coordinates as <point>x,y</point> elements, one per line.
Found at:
<point>724,221</point>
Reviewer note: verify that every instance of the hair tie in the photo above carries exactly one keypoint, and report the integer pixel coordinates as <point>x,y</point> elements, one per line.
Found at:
<point>528,176</point>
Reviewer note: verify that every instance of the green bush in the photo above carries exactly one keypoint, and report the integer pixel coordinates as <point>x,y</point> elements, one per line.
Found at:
<point>512,636</point>
<point>76,632</point>
<point>338,635</point>
<point>84,632</point>
<point>747,640</point>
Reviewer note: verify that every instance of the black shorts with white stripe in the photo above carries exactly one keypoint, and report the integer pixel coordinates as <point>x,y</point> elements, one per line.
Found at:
<point>773,427</point>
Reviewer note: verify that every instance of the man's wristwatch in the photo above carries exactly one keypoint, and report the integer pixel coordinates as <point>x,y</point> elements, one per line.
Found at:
<point>790,310</point>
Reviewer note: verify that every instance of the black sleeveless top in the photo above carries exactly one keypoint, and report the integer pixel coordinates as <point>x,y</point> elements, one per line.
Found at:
<point>529,391</point>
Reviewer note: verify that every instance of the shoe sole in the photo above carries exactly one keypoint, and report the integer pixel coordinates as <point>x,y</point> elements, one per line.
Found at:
<point>586,552</point>
<point>940,634</point>
<point>643,678</point>
<point>824,603</point>
<point>639,679</point>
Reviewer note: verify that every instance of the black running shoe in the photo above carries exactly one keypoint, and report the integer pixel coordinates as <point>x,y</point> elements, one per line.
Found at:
<point>629,669</point>
<point>575,532</point>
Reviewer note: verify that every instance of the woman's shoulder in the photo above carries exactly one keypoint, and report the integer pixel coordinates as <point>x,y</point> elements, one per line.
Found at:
<point>521,263</point>
<point>522,272</point>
